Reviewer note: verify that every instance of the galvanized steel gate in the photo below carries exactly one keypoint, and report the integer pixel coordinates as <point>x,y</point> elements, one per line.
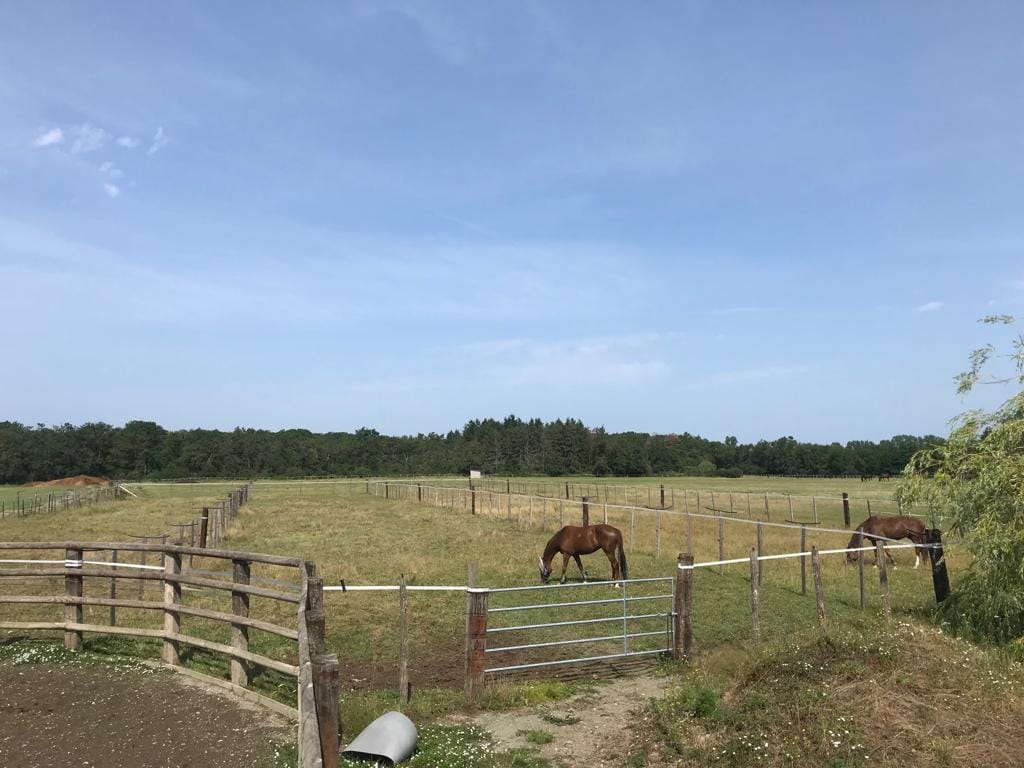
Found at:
<point>638,628</point>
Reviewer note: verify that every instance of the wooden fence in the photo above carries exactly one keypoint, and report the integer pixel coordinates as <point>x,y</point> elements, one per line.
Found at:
<point>86,578</point>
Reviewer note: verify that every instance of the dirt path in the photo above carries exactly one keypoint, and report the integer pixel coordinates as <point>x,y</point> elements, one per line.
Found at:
<point>591,729</point>
<point>99,717</point>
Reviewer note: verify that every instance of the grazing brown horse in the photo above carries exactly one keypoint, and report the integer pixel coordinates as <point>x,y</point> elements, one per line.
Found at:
<point>880,527</point>
<point>575,540</point>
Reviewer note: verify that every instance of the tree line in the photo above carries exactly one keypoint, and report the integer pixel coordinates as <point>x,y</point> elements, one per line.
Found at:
<point>144,449</point>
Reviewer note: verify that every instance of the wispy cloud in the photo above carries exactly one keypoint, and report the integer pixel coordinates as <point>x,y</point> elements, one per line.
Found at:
<point>112,190</point>
<point>743,310</point>
<point>128,141</point>
<point>931,306</point>
<point>160,140</point>
<point>109,169</point>
<point>88,139</point>
<point>48,138</point>
<point>762,373</point>
<point>519,361</point>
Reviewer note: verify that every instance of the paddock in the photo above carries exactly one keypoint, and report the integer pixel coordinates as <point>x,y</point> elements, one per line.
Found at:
<point>371,537</point>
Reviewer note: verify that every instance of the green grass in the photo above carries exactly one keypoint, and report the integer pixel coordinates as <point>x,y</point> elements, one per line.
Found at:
<point>369,540</point>
<point>841,700</point>
<point>462,746</point>
<point>366,539</point>
<point>539,737</point>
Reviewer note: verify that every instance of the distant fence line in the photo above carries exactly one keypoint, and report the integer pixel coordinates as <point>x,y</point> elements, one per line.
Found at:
<point>677,529</point>
<point>663,496</point>
<point>54,501</point>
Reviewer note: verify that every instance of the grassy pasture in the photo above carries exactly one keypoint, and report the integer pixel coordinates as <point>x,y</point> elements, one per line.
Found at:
<point>366,539</point>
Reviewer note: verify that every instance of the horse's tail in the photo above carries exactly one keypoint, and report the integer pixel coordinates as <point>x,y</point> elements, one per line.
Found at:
<point>623,568</point>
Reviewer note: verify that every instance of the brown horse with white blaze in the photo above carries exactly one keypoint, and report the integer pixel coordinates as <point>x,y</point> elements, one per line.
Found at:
<point>575,540</point>
<point>879,527</point>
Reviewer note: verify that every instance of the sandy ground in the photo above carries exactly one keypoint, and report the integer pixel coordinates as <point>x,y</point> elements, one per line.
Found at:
<point>591,729</point>
<point>113,718</point>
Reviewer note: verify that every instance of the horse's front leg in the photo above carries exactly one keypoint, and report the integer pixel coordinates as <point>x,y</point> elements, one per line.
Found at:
<point>565,565</point>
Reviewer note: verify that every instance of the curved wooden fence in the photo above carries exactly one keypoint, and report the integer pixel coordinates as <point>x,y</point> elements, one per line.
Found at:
<point>181,611</point>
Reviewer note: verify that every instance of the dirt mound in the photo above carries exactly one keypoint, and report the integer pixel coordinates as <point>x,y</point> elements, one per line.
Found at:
<point>78,481</point>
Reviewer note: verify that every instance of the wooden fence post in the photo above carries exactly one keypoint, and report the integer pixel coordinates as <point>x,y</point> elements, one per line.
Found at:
<point>315,617</point>
<point>937,556</point>
<point>586,510</point>
<point>113,587</point>
<point>662,489</point>
<point>73,589</point>
<point>240,571</point>
<point>846,509</point>
<point>326,675</point>
<point>755,598</point>
<point>682,637</point>
<point>476,640</point>
<point>172,599</point>
<point>819,592</point>
<point>473,502</point>
<point>403,642</point>
<point>883,578</point>
<point>204,527</point>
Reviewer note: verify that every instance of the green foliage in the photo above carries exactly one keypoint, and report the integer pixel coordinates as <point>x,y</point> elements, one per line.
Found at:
<point>978,484</point>
<point>143,449</point>
<point>461,746</point>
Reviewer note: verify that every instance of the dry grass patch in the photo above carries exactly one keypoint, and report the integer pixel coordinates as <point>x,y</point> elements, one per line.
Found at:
<point>906,695</point>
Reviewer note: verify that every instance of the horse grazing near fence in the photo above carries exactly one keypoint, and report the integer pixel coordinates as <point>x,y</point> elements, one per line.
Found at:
<point>575,540</point>
<point>890,527</point>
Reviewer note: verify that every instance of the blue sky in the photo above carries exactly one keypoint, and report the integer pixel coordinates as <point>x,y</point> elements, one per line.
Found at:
<point>729,219</point>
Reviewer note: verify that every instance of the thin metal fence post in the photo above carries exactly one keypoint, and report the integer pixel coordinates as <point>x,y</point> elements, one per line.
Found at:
<point>755,598</point>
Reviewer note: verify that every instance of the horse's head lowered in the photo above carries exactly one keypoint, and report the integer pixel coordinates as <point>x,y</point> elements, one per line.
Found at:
<point>545,573</point>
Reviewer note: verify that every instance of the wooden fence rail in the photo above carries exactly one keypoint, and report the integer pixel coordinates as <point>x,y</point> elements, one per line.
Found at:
<point>85,573</point>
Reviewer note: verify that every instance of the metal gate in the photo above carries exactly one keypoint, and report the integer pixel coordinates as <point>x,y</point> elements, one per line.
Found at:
<point>640,612</point>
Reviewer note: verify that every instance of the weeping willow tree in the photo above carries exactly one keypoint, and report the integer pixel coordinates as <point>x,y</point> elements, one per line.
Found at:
<point>976,482</point>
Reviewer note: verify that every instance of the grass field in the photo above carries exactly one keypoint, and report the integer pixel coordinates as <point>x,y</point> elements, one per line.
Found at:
<point>370,540</point>
<point>367,539</point>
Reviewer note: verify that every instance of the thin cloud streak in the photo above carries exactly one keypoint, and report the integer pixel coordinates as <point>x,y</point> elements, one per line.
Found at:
<point>160,140</point>
<point>49,138</point>
<point>88,139</point>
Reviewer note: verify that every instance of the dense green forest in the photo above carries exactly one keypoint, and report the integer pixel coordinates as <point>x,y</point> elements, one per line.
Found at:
<point>143,449</point>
